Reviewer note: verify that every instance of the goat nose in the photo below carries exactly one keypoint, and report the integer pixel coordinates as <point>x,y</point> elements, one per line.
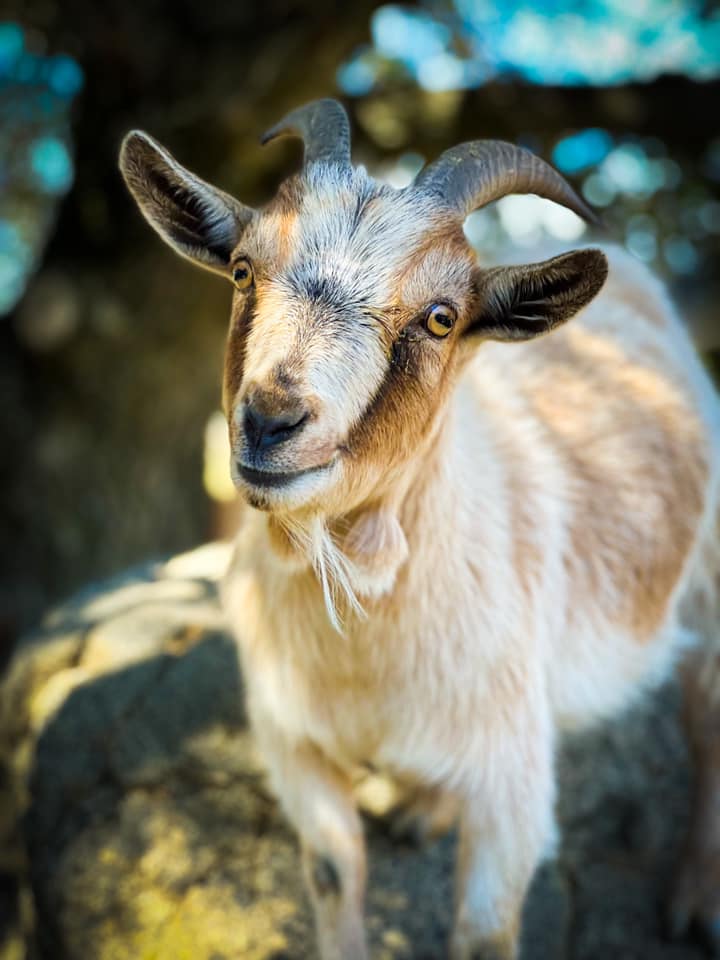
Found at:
<point>263,431</point>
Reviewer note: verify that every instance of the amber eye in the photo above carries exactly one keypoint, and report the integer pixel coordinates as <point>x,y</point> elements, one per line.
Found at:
<point>242,274</point>
<point>440,320</point>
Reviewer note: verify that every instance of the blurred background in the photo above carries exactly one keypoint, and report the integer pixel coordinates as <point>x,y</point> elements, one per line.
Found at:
<point>111,348</point>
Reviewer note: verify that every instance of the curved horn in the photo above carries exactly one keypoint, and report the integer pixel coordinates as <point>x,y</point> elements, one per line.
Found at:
<point>474,174</point>
<point>324,128</point>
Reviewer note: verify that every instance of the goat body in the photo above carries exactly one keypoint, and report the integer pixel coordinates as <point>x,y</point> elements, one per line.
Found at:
<point>531,528</point>
<point>561,530</point>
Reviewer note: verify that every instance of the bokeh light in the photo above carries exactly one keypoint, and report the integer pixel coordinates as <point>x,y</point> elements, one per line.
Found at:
<point>663,210</point>
<point>36,166</point>
<point>603,42</point>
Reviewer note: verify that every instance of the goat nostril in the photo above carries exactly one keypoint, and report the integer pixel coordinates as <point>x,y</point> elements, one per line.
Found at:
<point>267,431</point>
<point>252,425</point>
<point>286,426</point>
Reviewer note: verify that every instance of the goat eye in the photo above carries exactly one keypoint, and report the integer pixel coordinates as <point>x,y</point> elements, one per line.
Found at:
<point>440,320</point>
<point>242,274</point>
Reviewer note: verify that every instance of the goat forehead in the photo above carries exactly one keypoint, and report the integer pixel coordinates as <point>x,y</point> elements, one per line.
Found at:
<point>349,239</point>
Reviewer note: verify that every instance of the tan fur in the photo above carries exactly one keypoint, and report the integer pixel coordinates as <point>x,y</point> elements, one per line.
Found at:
<point>667,457</point>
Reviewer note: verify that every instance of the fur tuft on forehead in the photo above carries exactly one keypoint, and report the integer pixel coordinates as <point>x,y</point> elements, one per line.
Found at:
<point>354,234</point>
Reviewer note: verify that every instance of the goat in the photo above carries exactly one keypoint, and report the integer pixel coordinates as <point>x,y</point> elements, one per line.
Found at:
<point>463,537</point>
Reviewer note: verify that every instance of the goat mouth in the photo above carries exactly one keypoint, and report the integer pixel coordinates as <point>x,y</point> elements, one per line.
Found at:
<point>269,478</point>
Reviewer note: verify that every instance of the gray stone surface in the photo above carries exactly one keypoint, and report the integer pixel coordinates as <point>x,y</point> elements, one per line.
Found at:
<point>140,828</point>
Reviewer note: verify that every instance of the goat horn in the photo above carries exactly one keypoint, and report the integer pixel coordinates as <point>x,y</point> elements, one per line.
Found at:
<point>471,175</point>
<point>324,128</point>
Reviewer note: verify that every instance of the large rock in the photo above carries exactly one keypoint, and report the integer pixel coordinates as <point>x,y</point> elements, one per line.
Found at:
<point>147,830</point>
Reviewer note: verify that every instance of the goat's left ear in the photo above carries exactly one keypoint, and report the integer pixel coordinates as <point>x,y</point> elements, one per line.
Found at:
<point>520,303</point>
<point>196,219</point>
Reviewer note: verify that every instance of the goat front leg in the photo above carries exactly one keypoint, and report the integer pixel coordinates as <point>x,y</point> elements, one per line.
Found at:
<point>506,826</point>
<point>318,801</point>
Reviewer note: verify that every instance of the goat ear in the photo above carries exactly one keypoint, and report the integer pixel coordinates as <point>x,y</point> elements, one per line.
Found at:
<point>198,221</point>
<point>520,303</point>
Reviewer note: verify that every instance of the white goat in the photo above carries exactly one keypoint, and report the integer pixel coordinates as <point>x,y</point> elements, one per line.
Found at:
<point>530,528</point>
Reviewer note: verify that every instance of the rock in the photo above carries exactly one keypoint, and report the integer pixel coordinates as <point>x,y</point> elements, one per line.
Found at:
<point>148,832</point>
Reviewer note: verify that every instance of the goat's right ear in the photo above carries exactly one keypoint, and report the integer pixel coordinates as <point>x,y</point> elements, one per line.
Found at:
<point>199,222</point>
<point>524,302</point>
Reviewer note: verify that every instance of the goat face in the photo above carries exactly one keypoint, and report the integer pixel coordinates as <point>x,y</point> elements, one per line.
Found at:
<point>355,303</point>
<point>333,372</point>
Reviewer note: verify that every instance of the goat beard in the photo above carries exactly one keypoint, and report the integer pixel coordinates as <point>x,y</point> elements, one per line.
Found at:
<point>333,568</point>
